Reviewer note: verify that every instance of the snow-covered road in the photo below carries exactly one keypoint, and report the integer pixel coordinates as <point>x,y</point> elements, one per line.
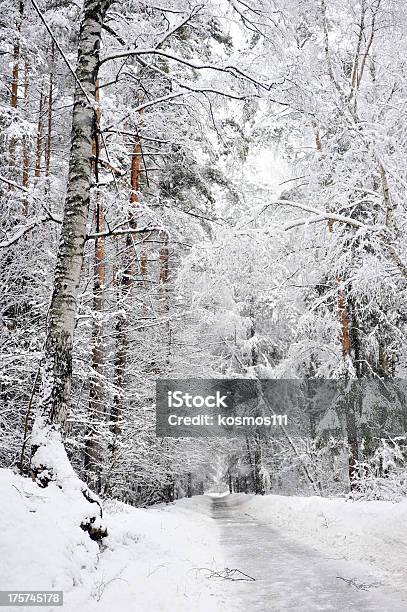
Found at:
<point>288,576</point>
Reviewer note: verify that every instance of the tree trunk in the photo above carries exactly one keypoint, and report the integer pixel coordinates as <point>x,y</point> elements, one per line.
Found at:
<point>250,460</point>
<point>135,174</point>
<point>16,64</point>
<point>40,130</point>
<point>49,112</point>
<point>350,414</point>
<point>49,458</point>
<point>353,442</point>
<point>189,484</point>
<point>230,482</point>
<point>26,158</point>
<point>15,78</point>
<point>126,284</point>
<point>252,334</point>
<point>258,465</point>
<point>165,299</point>
<point>96,395</point>
<point>345,322</point>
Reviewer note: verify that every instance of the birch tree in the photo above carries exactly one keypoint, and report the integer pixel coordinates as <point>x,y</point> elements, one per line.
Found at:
<point>47,461</point>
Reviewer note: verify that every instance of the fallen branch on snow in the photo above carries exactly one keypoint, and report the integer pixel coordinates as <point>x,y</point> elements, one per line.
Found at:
<point>227,574</point>
<point>362,586</point>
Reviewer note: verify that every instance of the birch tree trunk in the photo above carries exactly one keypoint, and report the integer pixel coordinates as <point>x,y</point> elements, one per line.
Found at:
<point>49,459</point>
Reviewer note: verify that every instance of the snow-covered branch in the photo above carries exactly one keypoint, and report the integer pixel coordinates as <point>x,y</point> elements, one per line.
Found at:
<point>23,230</point>
<point>125,231</point>
<point>234,71</point>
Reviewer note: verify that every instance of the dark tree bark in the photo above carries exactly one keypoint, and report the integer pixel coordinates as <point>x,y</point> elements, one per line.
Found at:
<point>189,484</point>
<point>258,478</point>
<point>251,462</point>
<point>230,482</point>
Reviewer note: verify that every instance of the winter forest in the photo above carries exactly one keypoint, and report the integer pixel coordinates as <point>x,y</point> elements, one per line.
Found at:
<point>201,190</point>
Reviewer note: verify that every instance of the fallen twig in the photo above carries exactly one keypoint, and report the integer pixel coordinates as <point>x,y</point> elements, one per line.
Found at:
<point>228,574</point>
<point>362,586</point>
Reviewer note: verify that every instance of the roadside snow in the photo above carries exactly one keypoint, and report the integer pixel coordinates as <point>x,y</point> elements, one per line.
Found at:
<point>150,560</point>
<point>372,532</point>
<point>41,543</point>
<point>153,560</point>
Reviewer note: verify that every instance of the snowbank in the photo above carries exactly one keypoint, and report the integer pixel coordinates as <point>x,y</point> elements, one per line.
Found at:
<point>373,532</point>
<point>41,543</point>
<point>150,560</point>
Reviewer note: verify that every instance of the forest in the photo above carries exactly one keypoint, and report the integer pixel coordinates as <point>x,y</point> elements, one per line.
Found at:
<point>202,190</point>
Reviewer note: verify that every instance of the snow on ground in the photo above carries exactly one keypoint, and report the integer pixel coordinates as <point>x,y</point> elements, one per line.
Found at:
<point>41,543</point>
<point>154,560</point>
<point>288,575</point>
<point>150,561</point>
<point>372,532</point>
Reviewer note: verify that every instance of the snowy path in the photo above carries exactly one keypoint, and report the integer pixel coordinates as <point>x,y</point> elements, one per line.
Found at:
<point>166,558</point>
<point>289,577</point>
